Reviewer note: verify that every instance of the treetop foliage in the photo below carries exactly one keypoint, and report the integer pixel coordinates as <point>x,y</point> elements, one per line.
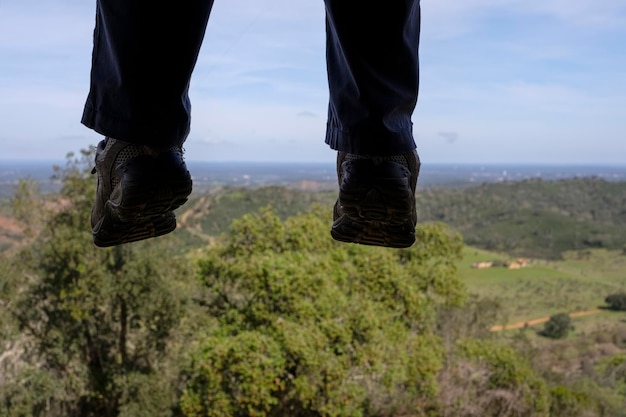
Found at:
<point>272,319</point>
<point>326,328</point>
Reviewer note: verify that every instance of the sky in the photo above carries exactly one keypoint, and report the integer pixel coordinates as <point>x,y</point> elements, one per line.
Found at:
<point>502,81</point>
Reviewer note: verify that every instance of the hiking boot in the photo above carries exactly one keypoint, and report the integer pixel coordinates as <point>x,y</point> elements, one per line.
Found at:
<point>376,204</point>
<point>139,188</point>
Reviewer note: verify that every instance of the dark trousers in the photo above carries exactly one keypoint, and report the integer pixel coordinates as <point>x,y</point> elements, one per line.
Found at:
<point>144,54</point>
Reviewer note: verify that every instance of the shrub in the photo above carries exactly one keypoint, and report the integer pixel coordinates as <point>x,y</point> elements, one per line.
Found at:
<point>488,378</point>
<point>566,402</point>
<point>616,301</point>
<point>558,327</point>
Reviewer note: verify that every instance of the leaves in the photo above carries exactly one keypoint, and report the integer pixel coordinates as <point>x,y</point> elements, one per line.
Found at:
<point>350,326</point>
<point>99,320</point>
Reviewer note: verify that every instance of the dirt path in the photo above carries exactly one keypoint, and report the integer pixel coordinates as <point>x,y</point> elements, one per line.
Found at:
<point>186,219</point>
<point>521,324</point>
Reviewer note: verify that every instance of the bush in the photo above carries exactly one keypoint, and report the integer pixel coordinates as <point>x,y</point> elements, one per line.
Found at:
<point>566,402</point>
<point>558,327</point>
<point>616,301</point>
<point>488,378</point>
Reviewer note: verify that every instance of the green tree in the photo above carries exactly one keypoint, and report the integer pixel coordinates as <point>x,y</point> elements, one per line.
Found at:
<point>311,327</point>
<point>558,326</point>
<point>616,301</point>
<point>97,324</point>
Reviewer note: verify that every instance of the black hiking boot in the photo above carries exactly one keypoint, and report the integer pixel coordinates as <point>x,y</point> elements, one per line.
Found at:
<point>376,204</point>
<point>138,190</point>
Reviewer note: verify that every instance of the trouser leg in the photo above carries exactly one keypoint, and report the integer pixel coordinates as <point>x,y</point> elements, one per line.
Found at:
<point>143,57</point>
<point>373,75</point>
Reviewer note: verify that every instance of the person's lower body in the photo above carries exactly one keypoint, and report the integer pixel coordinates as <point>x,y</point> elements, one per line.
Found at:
<point>143,58</point>
<point>373,78</point>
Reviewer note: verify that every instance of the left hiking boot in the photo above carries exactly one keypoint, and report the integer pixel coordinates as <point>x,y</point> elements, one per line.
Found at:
<point>376,204</point>
<point>139,187</point>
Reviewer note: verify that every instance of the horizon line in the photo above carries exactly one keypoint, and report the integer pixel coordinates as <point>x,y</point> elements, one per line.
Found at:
<point>332,162</point>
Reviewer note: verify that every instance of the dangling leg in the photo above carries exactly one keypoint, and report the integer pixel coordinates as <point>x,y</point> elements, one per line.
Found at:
<point>143,58</point>
<point>373,77</point>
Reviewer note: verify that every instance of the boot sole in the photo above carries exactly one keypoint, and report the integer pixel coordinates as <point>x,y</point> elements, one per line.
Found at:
<point>377,206</point>
<point>112,232</point>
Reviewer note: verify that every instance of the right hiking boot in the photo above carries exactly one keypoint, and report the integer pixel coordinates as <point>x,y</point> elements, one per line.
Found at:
<point>139,188</point>
<point>376,204</point>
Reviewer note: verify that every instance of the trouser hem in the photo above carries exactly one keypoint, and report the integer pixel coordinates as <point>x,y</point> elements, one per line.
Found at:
<point>371,143</point>
<point>138,133</point>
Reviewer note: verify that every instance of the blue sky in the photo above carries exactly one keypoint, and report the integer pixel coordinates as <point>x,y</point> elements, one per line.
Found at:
<point>502,81</point>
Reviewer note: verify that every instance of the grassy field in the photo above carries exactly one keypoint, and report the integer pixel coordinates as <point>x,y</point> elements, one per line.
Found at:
<point>580,282</point>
